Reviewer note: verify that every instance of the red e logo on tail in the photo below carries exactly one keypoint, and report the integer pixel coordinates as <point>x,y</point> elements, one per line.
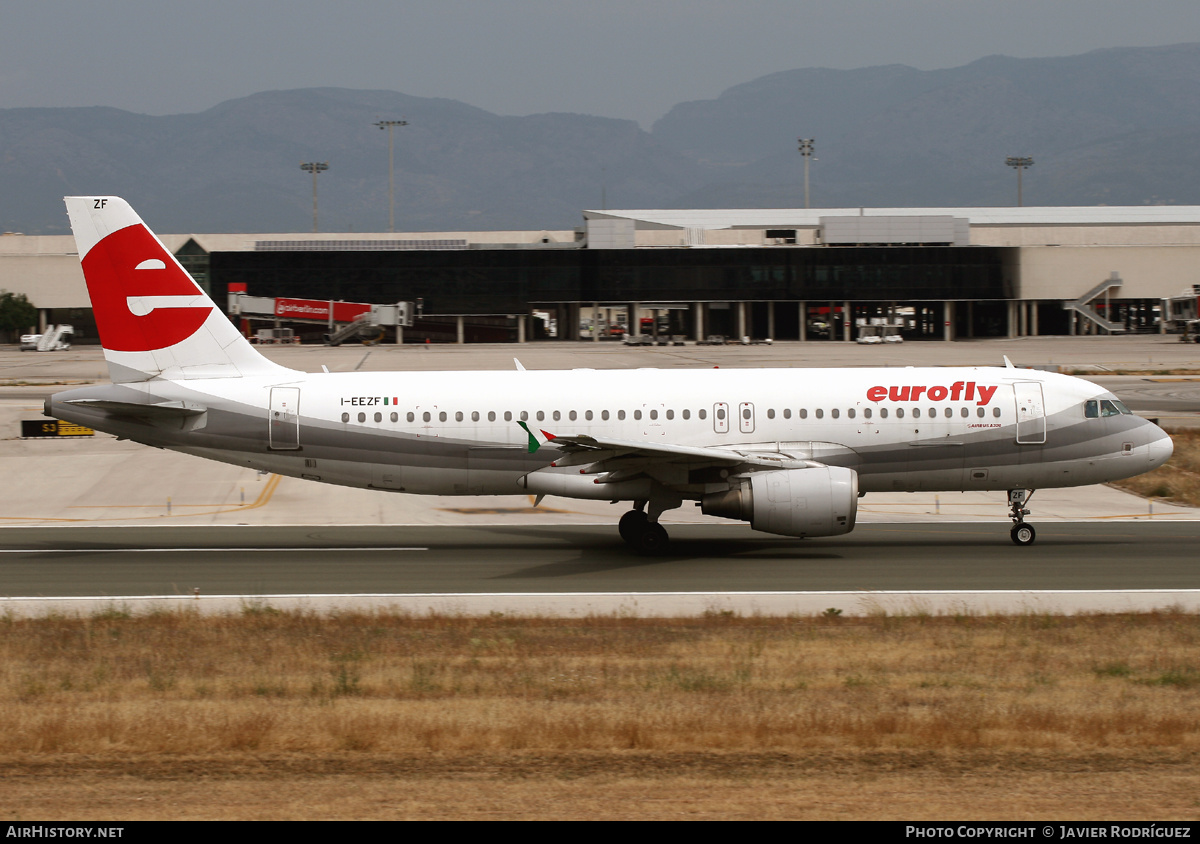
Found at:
<point>130,264</point>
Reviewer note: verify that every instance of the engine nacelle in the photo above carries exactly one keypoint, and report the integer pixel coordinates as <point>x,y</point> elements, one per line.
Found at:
<point>819,501</point>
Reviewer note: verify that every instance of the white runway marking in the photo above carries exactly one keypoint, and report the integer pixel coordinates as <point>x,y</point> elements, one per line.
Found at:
<point>196,550</point>
<point>654,604</point>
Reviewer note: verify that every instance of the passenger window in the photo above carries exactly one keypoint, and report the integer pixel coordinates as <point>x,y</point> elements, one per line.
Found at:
<point>442,416</point>
<point>541,416</point>
<point>866,413</point>
<point>426,416</point>
<point>604,415</point>
<point>637,414</point>
<point>771,413</point>
<point>458,416</point>
<point>883,413</point>
<point>803,413</point>
<point>720,414</point>
<point>411,416</point>
<point>474,415</point>
<point>850,413</point>
<point>996,412</point>
<point>834,413</point>
<point>378,416</point>
<point>557,416</point>
<point>820,414</point>
<point>965,413</point>
<point>524,415</point>
<point>687,414</point>
<point>670,414</point>
<point>899,413</point>
<point>979,412</point>
<point>916,413</point>
<point>702,413</point>
<point>787,413</point>
<point>621,415</point>
<point>654,414</point>
<point>345,417</point>
<point>395,416</point>
<point>949,412</point>
<point>362,417</point>
<point>491,416</point>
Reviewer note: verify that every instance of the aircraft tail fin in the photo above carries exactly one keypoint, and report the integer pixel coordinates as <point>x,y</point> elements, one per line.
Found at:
<point>154,320</point>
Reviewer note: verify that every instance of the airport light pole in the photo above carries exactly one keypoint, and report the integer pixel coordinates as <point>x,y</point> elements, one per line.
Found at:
<point>806,150</point>
<point>315,167</point>
<point>1018,163</point>
<point>390,125</point>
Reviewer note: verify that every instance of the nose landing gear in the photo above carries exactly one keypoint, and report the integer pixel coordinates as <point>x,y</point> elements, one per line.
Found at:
<point>1022,534</point>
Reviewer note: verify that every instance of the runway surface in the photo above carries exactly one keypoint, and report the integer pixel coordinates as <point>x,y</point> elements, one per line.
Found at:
<point>249,561</point>
<point>179,524</point>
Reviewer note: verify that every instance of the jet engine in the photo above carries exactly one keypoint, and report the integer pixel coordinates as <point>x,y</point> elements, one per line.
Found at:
<point>817,501</point>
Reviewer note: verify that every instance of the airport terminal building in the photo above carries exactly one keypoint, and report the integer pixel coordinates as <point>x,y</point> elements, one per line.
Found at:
<point>785,274</point>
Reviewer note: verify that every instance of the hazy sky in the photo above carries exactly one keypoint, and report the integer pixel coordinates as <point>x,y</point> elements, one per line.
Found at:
<point>616,58</point>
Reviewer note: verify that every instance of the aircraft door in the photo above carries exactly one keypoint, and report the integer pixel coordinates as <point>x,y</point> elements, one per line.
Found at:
<point>283,422</point>
<point>1031,413</point>
<point>746,417</point>
<point>721,417</point>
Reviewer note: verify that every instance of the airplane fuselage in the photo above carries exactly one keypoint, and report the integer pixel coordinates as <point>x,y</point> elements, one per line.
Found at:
<point>448,433</point>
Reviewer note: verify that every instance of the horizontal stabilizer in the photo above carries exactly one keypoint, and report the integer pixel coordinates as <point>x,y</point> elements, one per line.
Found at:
<point>166,409</point>
<point>174,415</point>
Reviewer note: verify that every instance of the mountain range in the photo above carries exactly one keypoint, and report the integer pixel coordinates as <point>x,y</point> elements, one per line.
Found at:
<point>1109,127</point>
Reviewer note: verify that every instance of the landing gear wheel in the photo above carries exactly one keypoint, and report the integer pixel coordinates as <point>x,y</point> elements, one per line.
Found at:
<point>651,539</point>
<point>631,524</point>
<point>1023,534</point>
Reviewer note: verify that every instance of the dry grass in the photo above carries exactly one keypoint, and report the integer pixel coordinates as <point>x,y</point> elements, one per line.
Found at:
<point>285,714</point>
<point>293,682</point>
<point>1178,480</point>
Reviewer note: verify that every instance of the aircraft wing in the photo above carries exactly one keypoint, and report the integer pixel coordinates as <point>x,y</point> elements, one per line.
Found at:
<point>621,460</point>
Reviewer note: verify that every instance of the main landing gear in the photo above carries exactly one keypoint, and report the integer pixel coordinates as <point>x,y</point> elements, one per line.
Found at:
<point>642,532</point>
<point>1022,534</point>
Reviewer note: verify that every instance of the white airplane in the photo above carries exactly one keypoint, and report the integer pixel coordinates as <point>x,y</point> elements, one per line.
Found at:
<point>788,450</point>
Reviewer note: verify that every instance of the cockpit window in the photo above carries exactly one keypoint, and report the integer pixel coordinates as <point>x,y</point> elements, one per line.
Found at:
<point>1097,408</point>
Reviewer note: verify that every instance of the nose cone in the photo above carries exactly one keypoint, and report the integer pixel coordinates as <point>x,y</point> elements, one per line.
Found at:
<point>1159,450</point>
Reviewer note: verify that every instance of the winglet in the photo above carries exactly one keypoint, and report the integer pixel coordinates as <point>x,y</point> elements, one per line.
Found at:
<point>534,445</point>
<point>1008,364</point>
<point>520,367</point>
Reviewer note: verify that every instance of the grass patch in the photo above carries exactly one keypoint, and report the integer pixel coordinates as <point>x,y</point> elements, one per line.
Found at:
<point>300,682</point>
